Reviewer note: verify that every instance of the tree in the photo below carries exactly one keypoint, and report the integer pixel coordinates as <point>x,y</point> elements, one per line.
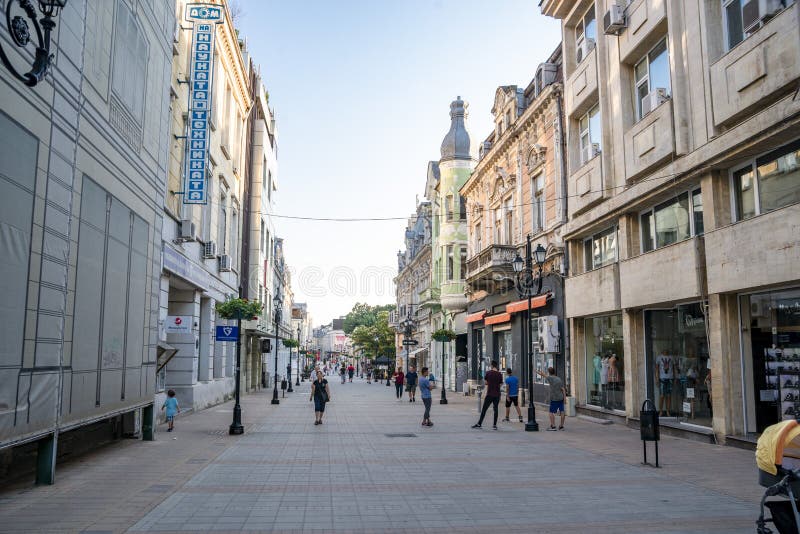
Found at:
<point>364,336</point>
<point>363,314</point>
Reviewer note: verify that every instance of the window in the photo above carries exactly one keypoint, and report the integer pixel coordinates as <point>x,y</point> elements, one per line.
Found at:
<point>269,186</point>
<point>462,208</point>
<point>462,257</point>
<point>498,226</point>
<point>770,182</point>
<point>605,364</point>
<point>234,244</point>
<point>450,262</point>
<point>672,221</point>
<point>449,207</point>
<point>222,223</point>
<point>586,33</point>
<point>650,74</point>
<point>508,229</point>
<point>538,203</point>
<point>600,249</point>
<point>589,131</point>
<point>732,15</point>
<point>130,62</point>
<point>478,239</point>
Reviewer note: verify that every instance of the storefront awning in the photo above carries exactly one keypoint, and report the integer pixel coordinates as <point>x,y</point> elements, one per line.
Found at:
<point>522,305</point>
<point>474,317</point>
<point>497,319</point>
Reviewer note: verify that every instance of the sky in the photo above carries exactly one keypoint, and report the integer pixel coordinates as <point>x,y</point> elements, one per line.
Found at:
<point>361,91</point>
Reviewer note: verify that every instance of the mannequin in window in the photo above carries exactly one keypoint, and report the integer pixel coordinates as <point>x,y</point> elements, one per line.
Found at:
<point>613,380</point>
<point>597,364</point>
<point>665,374</point>
<point>604,380</point>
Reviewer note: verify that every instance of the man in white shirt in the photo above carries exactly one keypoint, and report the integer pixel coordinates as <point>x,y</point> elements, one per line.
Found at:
<point>665,373</point>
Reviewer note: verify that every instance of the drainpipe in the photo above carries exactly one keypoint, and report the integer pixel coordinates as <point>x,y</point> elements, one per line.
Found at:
<point>564,199</point>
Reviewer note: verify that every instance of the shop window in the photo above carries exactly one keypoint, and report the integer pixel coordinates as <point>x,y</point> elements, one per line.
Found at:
<point>589,130</point>
<point>651,74</point>
<point>605,376</point>
<point>672,221</point>
<point>600,249</point>
<point>679,376</point>
<point>767,183</point>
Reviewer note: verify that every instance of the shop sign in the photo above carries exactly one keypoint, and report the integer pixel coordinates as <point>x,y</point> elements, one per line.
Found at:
<point>690,322</point>
<point>178,324</point>
<point>687,407</point>
<point>205,19</point>
<point>689,393</point>
<point>227,333</point>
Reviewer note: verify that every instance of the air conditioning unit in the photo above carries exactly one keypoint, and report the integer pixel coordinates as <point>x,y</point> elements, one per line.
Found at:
<point>548,333</point>
<point>187,230</point>
<point>755,11</point>
<point>583,50</point>
<point>589,152</point>
<point>224,263</point>
<point>210,250</point>
<point>614,20</point>
<point>653,99</point>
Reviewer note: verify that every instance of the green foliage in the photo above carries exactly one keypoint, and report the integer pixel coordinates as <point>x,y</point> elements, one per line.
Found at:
<point>290,343</point>
<point>443,334</point>
<point>377,338</point>
<point>239,309</point>
<point>363,314</point>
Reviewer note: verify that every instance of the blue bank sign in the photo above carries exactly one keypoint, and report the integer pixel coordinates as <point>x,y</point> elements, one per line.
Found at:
<point>205,19</point>
<point>227,333</point>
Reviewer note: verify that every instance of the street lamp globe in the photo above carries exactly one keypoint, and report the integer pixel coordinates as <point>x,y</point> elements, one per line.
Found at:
<point>539,255</point>
<point>50,8</point>
<point>518,264</point>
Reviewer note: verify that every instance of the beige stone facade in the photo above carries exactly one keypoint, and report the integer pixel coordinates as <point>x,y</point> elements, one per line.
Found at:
<point>683,208</point>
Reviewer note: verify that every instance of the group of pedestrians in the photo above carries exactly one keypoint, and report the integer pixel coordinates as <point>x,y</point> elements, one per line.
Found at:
<point>494,379</point>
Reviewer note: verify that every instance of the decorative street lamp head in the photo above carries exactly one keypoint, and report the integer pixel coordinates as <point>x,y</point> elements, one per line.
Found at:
<point>539,255</point>
<point>518,264</point>
<point>19,28</point>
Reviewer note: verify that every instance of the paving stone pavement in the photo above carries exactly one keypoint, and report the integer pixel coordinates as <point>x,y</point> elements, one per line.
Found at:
<point>372,468</point>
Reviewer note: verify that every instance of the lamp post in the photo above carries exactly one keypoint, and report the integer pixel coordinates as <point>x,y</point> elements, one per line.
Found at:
<point>297,378</point>
<point>443,400</point>
<point>278,301</point>
<point>408,330</point>
<point>20,33</point>
<point>525,287</point>
<point>236,427</point>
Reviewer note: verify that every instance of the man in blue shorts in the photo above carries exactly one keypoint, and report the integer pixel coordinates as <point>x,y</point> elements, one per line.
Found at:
<point>512,394</point>
<point>557,394</point>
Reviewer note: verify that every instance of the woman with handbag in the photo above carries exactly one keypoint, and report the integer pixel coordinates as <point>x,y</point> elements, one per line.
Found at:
<point>320,394</point>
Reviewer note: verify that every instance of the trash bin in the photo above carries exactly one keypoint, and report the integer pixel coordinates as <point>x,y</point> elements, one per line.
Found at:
<point>649,427</point>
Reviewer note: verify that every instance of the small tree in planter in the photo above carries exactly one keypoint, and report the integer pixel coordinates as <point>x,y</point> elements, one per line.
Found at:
<point>443,335</point>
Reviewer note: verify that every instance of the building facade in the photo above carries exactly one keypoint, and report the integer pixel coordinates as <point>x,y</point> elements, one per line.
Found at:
<point>518,190</point>
<point>83,167</point>
<point>202,242</point>
<point>684,189</point>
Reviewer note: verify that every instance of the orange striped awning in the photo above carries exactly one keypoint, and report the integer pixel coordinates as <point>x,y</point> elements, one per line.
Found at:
<point>522,305</point>
<point>498,318</point>
<point>474,317</point>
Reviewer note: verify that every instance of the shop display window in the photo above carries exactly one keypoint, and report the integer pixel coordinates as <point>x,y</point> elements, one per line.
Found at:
<point>678,363</point>
<point>605,372</point>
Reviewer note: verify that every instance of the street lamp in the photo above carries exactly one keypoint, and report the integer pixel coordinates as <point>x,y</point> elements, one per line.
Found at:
<point>297,378</point>
<point>408,325</point>
<point>278,302</point>
<point>20,33</point>
<point>523,270</point>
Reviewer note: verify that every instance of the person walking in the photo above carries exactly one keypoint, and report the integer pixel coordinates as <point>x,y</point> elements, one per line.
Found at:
<point>557,394</point>
<point>493,380</point>
<point>411,383</point>
<point>351,371</point>
<point>369,375</point>
<point>321,395</point>
<point>399,380</point>
<point>171,408</point>
<point>512,394</point>
<point>342,372</point>
<point>425,393</point>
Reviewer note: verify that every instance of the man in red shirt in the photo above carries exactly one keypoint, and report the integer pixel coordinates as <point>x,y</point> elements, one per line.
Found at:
<point>493,380</point>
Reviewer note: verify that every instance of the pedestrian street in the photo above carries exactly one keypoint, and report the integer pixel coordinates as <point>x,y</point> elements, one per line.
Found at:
<point>371,467</point>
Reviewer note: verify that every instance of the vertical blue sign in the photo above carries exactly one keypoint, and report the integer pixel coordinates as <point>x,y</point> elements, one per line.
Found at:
<point>205,18</point>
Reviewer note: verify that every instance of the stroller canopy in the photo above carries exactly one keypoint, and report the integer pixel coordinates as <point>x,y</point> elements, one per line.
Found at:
<point>776,442</point>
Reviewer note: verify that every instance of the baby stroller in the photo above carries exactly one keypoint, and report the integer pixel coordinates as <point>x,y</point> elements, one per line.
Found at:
<point>778,459</point>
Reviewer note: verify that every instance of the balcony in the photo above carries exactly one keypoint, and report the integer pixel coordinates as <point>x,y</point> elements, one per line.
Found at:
<point>758,70</point>
<point>491,265</point>
<point>671,273</point>
<point>756,252</point>
<point>429,298</point>
<point>581,86</point>
<point>593,293</point>
<point>556,8</point>
<point>649,142</point>
<point>647,24</point>
<point>453,298</point>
